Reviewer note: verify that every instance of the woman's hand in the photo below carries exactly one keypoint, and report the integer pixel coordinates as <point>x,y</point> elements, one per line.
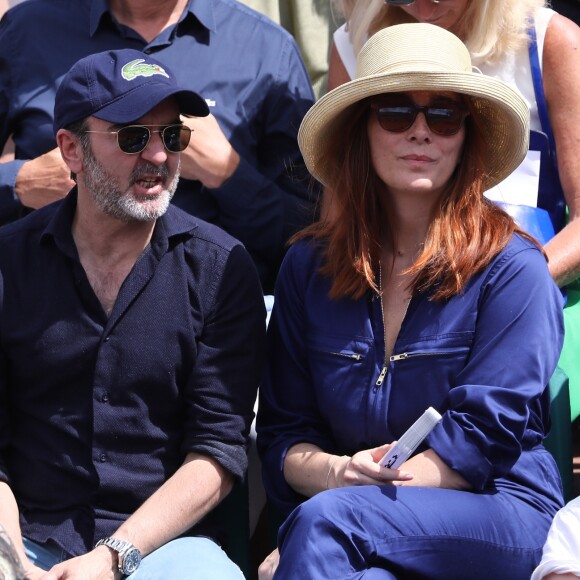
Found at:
<point>309,470</point>
<point>363,469</point>
<point>268,566</point>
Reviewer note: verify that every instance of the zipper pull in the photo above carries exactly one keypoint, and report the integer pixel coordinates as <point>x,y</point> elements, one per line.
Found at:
<point>381,377</point>
<point>397,357</point>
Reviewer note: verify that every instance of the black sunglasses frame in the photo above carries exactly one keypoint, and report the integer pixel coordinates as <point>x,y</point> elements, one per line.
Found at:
<point>147,130</point>
<point>432,117</point>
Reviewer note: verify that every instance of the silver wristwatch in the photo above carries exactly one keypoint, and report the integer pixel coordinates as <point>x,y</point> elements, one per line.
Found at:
<point>129,555</point>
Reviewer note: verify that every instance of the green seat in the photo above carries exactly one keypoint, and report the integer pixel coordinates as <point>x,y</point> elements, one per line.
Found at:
<point>559,440</point>
<point>570,357</point>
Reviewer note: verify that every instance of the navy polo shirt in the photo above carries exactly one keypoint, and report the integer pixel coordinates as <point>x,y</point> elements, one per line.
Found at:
<point>97,413</point>
<point>247,68</point>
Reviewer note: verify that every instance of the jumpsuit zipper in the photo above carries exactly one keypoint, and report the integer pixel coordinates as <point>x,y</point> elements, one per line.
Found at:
<point>385,368</point>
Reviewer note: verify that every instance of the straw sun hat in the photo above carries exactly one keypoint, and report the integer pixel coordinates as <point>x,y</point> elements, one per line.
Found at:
<point>409,57</point>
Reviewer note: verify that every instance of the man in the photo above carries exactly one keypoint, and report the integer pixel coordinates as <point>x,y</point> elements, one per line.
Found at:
<point>130,347</point>
<point>312,23</point>
<point>244,173</point>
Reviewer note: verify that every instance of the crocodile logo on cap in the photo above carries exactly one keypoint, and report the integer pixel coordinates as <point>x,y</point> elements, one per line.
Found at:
<point>139,68</point>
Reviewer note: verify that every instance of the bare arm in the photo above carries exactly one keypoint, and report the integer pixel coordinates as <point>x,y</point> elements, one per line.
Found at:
<point>561,63</point>
<point>337,74</point>
<point>193,490</point>
<point>309,470</point>
<point>43,180</point>
<point>209,157</point>
<point>429,470</point>
<point>9,520</point>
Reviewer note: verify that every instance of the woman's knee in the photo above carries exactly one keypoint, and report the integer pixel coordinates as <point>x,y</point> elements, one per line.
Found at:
<point>323,511</point>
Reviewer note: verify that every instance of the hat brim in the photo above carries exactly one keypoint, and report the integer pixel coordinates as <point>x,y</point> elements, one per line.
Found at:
<point>503,112</point>
<point>143,98</point>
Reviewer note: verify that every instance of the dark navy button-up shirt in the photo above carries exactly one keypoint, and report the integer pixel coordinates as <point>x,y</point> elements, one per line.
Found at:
<point>247,68</point>
<point>97,413</point>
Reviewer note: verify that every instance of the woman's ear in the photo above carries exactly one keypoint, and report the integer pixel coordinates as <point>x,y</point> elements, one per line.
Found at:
<point>70,149</point>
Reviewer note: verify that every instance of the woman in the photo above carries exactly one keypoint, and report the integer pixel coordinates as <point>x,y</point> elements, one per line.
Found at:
<point>419,292</point>
<point>497,33</point>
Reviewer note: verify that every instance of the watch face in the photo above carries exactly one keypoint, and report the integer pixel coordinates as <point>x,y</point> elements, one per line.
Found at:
<point>131,561</point>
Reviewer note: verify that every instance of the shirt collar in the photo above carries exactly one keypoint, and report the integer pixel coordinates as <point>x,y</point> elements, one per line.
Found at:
<point>175,223</point>
<point>203,10</point>
<point>98,9</point>
<point>59,227</point>
<point>171,227</point>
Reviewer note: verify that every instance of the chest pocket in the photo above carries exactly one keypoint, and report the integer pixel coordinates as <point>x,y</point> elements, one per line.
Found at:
<point>422,374</point>
<point>341,369</point>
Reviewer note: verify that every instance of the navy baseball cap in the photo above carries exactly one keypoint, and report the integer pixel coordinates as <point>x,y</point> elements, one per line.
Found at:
<point>119,86</point>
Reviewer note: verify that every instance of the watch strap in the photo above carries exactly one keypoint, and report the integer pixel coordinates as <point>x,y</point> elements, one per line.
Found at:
<point>120,546</point>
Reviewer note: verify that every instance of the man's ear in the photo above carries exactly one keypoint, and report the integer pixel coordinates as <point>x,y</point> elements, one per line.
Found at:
<point>70,149</point>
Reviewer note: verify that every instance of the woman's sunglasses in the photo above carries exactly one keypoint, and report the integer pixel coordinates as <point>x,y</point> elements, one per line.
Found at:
<point>396,113</point>
<point>133,139</point>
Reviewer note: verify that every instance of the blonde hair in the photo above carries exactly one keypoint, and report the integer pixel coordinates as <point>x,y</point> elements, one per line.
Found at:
<point>489,28</point>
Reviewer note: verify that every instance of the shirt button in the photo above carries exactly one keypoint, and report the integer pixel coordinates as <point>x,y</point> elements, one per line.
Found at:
<point>103,458</point>
<point>105,398</point>
<point>107,339</point>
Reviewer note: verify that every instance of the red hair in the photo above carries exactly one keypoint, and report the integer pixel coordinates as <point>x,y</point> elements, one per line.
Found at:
<point>467,230</point>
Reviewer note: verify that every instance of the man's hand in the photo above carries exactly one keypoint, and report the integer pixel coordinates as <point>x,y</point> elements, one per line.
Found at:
<point>99,564</point>
<point>43,180</point>
<point>209,157</point>
<point>32,572</point>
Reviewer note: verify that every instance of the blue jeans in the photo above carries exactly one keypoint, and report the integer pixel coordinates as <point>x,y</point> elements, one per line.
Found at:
<point>182,559</point>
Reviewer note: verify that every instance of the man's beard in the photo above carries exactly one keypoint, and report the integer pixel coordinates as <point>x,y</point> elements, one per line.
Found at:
<point>113,201</point>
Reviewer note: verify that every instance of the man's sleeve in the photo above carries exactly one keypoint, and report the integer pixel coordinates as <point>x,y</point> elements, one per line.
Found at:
<point>4,416</point>
<point>8,200</point>
<point>222,389</point>
<point>263,205</point>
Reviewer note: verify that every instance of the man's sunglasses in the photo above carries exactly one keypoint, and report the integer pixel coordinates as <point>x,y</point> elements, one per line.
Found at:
<point>396,113</point>
<point>133,139</point>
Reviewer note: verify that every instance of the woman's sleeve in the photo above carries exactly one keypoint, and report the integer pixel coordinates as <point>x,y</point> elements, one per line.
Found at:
<point>498,405</point>
<point>288,410</point>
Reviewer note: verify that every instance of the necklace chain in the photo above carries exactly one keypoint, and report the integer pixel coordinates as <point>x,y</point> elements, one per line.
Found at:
<point>386,362</point>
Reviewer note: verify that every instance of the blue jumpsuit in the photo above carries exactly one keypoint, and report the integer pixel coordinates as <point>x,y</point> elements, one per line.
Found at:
<point>482,359</point>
